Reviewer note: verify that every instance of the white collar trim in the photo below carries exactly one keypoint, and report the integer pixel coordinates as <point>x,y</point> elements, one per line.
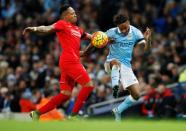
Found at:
<point>120,31</point>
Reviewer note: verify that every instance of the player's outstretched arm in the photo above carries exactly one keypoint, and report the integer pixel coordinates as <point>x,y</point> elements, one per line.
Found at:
<point>89,47</point>
<point>87,50</point>
<point>147,36</point>
<point>88,36</point>
<point>39,29</point>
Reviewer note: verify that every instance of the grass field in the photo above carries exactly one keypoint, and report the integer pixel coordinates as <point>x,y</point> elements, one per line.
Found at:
<point>95,125</point>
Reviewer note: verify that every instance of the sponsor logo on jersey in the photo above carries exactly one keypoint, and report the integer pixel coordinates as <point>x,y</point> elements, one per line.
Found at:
<point>126,44</point>
<point>75,33</point>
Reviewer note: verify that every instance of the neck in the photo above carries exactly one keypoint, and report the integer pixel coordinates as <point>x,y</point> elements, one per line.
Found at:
<point>69,21</point>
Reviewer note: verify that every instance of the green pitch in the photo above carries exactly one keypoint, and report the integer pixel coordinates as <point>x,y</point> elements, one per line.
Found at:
<point>95,125</point>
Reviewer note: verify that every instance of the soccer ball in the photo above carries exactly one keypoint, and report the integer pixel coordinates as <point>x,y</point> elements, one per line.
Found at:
<point>99,39</point>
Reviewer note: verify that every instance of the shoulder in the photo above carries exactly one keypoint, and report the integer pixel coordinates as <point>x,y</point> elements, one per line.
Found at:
<point>134,29</point>
<point>137,32</point>
<point>61,22</point>
<point>60,25</point>
<point>111,31</point>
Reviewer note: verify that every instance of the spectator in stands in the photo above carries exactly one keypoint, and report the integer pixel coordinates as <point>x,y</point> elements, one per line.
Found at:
<point>37,96</point>
<point>149,102</point>
<point>25,102</point>
<point>53,114</point>
<point>5,100</point>
<point>165,101</point>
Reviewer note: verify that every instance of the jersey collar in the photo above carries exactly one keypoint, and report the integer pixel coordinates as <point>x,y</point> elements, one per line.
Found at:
<point>118,30</point>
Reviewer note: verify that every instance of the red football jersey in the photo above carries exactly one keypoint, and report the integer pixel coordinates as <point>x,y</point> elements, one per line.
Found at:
<point>69,36</point>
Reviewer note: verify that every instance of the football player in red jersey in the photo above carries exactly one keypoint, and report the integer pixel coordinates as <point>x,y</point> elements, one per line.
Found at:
<point>69,36</point>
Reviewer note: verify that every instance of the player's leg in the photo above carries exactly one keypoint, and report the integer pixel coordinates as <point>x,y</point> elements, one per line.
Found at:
<point>81,76</point>
<point>129,82</point>
<point>63,96</point>
<point>128,102</point>
<point>66,85</point>
<point>131,99</point>
<point>82,97</point>
<point>115,76</point>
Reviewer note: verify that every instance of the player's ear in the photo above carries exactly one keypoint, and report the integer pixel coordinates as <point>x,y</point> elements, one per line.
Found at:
<point>64,15</point>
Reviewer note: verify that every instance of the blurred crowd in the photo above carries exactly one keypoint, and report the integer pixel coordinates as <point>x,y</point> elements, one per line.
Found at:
<point>29,64</point>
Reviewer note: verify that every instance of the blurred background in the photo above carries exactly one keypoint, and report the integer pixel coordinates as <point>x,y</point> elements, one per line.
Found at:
<point>29,72</point>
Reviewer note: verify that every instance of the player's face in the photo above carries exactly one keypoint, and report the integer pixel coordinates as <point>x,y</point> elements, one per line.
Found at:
<point>71,15</point>
<point>124,27</point>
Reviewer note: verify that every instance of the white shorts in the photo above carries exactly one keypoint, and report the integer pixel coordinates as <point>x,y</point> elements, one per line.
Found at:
<point>127,77</point>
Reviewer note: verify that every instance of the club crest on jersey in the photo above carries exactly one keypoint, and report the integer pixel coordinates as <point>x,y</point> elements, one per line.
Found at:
<point>129,36</point>
<point>75,33</point>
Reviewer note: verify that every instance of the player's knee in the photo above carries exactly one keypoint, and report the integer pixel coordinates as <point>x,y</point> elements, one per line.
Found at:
<point>89,84</point>
<point>66,92</point>
<point>134,91</point>
<point>115,64</point>
<point>136,96</point>
<point>115,67</point>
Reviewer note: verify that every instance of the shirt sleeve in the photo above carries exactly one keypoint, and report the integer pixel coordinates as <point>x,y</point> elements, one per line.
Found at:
<point>83,34</point>
<point>139,37</point>
<point>109,33</point>
<point>59,25</point>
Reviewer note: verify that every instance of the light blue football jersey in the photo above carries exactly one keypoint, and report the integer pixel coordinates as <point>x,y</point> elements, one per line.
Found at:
<point>123,46</point>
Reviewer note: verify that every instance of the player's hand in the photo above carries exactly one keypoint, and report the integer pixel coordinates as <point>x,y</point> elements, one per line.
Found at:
<point>147,36</point>
<point>29,29</point>
<point>147,33</point>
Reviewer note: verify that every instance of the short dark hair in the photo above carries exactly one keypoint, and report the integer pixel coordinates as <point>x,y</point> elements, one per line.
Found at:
<point>64,8</point>
<point>120,18</point>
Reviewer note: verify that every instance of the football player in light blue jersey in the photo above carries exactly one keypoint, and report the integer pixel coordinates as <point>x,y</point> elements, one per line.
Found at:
<point>124,37</point>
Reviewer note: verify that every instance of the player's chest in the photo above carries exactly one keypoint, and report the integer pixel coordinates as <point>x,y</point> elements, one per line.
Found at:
<point>73,31</point>
<point>124,41</point>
